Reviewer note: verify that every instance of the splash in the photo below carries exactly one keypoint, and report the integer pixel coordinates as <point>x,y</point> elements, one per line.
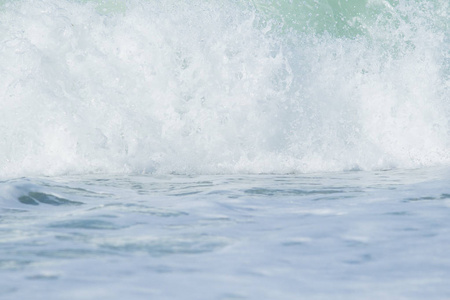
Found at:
<point>222,87</point>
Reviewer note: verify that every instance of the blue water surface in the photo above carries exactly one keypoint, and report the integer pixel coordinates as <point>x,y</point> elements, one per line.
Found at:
<point>348,235</point>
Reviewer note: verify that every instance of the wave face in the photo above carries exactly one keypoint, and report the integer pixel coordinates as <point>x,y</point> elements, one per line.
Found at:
<point>216,87</point>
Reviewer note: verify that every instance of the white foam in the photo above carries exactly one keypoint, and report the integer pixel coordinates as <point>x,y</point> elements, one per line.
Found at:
<point>201,88</point>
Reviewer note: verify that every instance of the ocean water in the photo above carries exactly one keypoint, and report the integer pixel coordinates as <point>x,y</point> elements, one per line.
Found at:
<point>224,149</point>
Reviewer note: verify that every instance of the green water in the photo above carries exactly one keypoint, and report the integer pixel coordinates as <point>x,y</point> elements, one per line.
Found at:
<point>345,18</point>
<point>319,16</point>
<point>352,17</point>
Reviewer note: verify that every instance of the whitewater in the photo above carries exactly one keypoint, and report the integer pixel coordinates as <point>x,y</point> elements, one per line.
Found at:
<point>216,149</point>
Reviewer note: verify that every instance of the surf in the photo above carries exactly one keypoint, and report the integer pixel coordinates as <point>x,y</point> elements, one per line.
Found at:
<point>221,87</point>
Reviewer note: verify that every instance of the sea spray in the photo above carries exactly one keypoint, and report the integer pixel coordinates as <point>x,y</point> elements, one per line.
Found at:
<point>222,87</point>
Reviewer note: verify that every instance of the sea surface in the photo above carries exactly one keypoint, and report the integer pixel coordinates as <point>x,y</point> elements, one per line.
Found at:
<point>215,149</point>
<point>348,235</point>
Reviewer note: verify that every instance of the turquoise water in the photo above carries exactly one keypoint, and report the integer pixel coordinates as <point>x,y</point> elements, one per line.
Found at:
<point>224,149</point>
